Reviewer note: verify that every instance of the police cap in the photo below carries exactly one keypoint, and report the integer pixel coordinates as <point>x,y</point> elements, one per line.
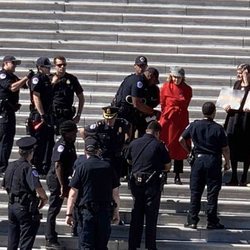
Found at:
<point>68,126</point>
<point>141,60</point>
<point>11,59</point>
<point>91,144</point>
<point>44,62</point>
<point>109,112</point>
<point>26,143</point>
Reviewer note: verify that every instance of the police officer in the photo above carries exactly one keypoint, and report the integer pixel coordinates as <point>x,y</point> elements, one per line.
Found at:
<point>65,85</point>
<point>22,184</point>
<point>210,142</point>
<point>91,188</point>
<point>41,122</point>
<point>149,158</point>
<point>10,85</point>
<point>130,97</point>
<point>112,132</point>
<point>152,97</point>
<point>63,158</point>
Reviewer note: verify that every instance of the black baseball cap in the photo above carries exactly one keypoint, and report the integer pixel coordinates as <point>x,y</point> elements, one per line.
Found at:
<point>11,59</point>
<point>26,143</point>
<point>68,126</point>
<point>91,144</point>
<point>141,60</point>
<point>44,62</point>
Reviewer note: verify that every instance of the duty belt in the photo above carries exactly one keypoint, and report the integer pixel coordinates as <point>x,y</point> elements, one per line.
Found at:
<point>206,154</point>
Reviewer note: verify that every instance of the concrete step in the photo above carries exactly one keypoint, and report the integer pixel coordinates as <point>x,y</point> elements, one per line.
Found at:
<point>173,233</point>
<point>127,37</point>
<point>68,46</point>
<point>181,204</point>
<point>110,58</point>
<point>21,22</point>
<point>45,4</point>
<point>70,243</point>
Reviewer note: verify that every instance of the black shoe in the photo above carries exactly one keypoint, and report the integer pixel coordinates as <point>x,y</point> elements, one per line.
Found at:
<point>215,226</point>
<point>53,244</point>
<point>243,183</point>
<point>177,181</point>
<point>74,234</point>
<point>192,226</point>
<point>121,223</point>
<point>232,183</point>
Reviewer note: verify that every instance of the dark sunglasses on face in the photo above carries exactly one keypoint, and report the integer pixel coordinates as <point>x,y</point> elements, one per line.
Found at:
<point>61,64</point>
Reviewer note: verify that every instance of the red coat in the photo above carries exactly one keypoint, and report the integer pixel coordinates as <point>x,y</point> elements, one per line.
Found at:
<point>174,101</point>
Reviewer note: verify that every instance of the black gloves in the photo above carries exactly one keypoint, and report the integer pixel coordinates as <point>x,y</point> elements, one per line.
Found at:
<point>30,74</point>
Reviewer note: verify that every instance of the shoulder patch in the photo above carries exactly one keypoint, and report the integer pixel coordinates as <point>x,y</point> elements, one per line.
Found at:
<point>92,126</point>
<point>35,173</point>
<point>2,76</point>
<point>60,148</point>
<point>139,84</point>
<point>35,80</point>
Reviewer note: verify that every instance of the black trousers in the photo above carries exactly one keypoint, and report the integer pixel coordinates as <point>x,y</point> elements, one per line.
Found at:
<point>43,151</point>
<point>206,170</point>
<point>7,133</point>
<point>23,227</point>
<point>94,229</point>
<point>55,204</point>
<point>146,203</point>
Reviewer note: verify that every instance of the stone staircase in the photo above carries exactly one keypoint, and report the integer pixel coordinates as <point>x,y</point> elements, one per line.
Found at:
<point>100,40</point>
<point>233,210</point>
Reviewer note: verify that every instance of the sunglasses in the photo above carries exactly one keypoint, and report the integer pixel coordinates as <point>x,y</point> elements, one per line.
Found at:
<point>61,64</point>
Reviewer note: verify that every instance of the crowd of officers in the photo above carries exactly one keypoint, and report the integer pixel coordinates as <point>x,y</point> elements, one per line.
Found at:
<point>128,134</point>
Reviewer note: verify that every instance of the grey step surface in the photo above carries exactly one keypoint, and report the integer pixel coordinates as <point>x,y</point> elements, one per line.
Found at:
<point>70,243</point>
<point>207,38</point>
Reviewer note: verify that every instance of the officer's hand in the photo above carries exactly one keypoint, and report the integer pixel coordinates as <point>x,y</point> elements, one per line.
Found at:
<point>54,79</point>
<point>30,74</point>
<point>64,191</point>
<point>69,220</point>
<point>227,166</point>
<point>44,118</point>
<point>43,201</point>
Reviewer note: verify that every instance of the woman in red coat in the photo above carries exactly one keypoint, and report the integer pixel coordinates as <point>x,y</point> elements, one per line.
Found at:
<point>175,97</point>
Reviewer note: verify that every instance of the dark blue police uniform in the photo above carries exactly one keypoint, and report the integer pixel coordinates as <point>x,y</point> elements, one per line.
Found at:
<point>133,85</point>
<point>208,138</point>
<point>20,181</point>
<point>45,133</point>
<point>63,99</point>
<point>111,141</point>
<point>65,153</point>
<point>93,177</point>
<point>8,106</point>
<point>148,156</point>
